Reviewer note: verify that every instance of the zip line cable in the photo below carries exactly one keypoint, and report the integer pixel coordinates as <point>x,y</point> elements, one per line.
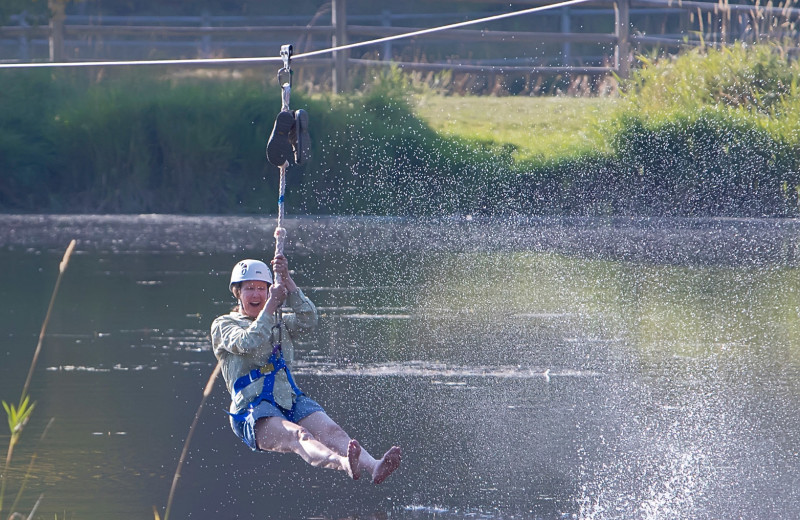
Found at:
<point>443,28</point>
<point>263,59</point>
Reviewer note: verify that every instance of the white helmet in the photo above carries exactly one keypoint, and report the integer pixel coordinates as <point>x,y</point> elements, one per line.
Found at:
<point>250,270</point>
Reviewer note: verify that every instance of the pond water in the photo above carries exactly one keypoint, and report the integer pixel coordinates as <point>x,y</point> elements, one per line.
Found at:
<point>540,368</point>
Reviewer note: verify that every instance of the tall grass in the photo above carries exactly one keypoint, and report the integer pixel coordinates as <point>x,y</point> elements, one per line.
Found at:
<point>185,451</point>
<point>156,144</point>
<point>757,79</point>
<point>143,144</point>
<point>715,128</point>
<point>19,415</point>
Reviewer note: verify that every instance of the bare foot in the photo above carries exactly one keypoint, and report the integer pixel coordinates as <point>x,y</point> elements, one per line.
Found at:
<point>385,466</point>
<point>353,453</point>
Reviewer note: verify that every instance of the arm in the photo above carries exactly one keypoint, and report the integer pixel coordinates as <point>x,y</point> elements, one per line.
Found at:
<point>280,266</point>
<point>305,313</point>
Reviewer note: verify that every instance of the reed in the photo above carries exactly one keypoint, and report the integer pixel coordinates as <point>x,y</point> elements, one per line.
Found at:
<point>206,392</point>
<point>19,415</point>
<point>29,469</point>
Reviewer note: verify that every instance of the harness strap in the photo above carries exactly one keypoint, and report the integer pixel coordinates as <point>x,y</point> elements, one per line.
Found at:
<point>275,364</point>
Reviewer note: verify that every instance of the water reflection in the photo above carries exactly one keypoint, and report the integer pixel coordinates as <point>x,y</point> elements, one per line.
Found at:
<point>539,369</point>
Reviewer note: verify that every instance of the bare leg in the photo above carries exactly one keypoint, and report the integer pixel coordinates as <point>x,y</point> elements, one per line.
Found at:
<point>279,435</point>
<point>332,435</point>
<point>326,431</point>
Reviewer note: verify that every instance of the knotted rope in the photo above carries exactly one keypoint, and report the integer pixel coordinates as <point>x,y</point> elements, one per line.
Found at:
<point>280,231</point>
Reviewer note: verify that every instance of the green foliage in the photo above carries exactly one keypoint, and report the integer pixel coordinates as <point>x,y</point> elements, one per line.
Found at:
<point>754,78</point>
<point>713,132</point>
<point>18,416</point>
<point>27,100</point>
<point>134,144</point>
<point>378,157</point>
<point>711,162</point>
<point>149,143</point>
<point>388,93</point>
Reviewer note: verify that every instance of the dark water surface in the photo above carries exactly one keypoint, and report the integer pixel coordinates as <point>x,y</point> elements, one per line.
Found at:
<point>589,369</point>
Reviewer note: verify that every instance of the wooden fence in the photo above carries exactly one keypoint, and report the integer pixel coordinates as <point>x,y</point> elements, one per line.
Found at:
<point>565,47</point>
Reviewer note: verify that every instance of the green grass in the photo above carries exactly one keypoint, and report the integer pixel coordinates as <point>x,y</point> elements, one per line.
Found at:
<point>541,128</point>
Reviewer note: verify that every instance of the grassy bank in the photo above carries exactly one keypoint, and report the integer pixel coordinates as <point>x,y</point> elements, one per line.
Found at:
<point>544,128</point>
<point>708,133</point>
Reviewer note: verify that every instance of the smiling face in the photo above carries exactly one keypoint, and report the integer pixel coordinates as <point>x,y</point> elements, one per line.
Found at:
<point>252,295</point>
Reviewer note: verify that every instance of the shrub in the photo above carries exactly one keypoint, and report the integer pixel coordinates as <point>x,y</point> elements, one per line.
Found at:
<point>713,132</point>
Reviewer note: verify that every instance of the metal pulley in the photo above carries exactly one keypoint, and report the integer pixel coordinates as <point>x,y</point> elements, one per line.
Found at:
<point>285,76</point>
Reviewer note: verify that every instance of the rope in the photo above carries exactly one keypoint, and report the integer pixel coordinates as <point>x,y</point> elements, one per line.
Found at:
<point>280,231</point>
<point>286,92</point>
<point>262,59</point>
<point>205,61</point>
<point>280,237</point>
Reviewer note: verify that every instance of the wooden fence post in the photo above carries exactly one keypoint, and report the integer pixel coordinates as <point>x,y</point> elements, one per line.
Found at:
<point>684,21</point>
<point>726,23</point>
<point>386,21</point>
<point>24,38</point>
<point>205,45</point>
<point>339,19</point>
<point>623,22</point>
<point>56,29</point>
<point>566,48</point>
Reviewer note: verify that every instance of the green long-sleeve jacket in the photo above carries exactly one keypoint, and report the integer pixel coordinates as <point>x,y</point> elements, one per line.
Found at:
<point>243,344</point>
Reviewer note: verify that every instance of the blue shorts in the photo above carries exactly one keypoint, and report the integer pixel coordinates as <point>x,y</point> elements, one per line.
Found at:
<point>303,407</point>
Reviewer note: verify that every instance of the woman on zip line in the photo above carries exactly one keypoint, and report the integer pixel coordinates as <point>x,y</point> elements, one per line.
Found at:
<point>268,411</point>
<point>253,343</point>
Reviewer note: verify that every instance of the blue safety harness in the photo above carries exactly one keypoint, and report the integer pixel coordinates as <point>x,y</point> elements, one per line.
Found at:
<point>275,364</point>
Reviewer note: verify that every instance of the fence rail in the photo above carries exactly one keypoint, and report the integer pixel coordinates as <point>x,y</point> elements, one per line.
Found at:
<point>630,26</point>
